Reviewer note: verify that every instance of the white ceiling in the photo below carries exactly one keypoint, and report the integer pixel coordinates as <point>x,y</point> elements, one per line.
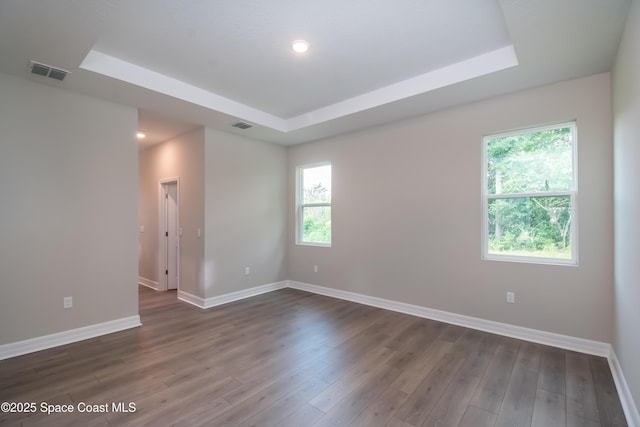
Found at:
<point>214,62</point>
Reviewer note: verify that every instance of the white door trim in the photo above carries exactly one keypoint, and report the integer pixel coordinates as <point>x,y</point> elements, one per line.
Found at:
<point>162,249</point>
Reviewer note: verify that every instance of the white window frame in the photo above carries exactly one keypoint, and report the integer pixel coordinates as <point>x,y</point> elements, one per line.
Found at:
<point>300,206</point>
<point>572,194</point>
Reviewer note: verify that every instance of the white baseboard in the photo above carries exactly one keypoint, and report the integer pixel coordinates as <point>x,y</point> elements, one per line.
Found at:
<point>227,298</point>
<point>67,337</point>
<point>541,337</point>
<point>148,283</point>
<point>626,399</point>
<point>566,342</point>
<point>191,299</point>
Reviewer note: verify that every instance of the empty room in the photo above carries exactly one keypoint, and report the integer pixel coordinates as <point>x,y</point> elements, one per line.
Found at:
<point>302,213</point>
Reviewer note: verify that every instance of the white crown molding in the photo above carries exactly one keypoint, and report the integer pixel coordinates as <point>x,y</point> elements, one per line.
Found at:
<point>487,63</point>
<point>480,65</point>
<point>67,337</point>
<point>116,68</point>
<point>148,283</point>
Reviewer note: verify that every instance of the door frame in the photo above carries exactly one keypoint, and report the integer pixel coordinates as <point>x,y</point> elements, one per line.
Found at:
<point>162,258</point>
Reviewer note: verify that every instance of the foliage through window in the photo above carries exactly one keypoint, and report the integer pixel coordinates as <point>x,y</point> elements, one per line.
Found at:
<point>313,216</point>
<point>529,186</point>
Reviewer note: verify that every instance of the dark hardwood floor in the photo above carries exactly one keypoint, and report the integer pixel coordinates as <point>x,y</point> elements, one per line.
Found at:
<point>290,358</point>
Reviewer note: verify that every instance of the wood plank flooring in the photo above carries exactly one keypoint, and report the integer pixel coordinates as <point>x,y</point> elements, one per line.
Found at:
<point>290,358</point>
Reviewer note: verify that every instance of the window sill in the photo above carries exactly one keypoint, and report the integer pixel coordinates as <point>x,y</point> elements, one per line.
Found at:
<point>531,260</point>
<point>321,245</point>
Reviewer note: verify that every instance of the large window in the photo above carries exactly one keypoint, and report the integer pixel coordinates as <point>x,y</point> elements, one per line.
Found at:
<point>529,192</point>
<point>313,200</point>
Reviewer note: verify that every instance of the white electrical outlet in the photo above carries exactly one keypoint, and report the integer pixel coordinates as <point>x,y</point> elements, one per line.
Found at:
<point>142,228</point>
<point>67,302</point>
<point>511,297</point>
<point>247,271</point>
<point>315,268</point>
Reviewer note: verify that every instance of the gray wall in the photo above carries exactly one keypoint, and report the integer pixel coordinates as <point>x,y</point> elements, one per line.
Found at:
<point>626,110</point>
<point>245,211</point>
<point>68,174</point>
<point>181,157</point>
<point>407,214</point>
<point>234,190</point>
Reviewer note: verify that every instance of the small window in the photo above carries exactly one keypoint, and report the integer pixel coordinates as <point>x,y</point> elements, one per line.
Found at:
<point>529,195</point>
<point>313,200</point>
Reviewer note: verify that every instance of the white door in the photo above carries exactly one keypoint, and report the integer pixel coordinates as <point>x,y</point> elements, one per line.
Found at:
<point>171,234</point>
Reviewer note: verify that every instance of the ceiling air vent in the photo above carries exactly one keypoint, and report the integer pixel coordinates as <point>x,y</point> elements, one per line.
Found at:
<point>242,125</point>
<point>47,71</point>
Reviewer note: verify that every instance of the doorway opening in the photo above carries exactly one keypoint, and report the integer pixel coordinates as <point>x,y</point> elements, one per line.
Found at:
<point>169,237</point>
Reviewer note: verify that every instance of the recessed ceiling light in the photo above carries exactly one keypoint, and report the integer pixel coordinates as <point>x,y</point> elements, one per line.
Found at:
<point>300,46</point>
<point>141,135</point>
